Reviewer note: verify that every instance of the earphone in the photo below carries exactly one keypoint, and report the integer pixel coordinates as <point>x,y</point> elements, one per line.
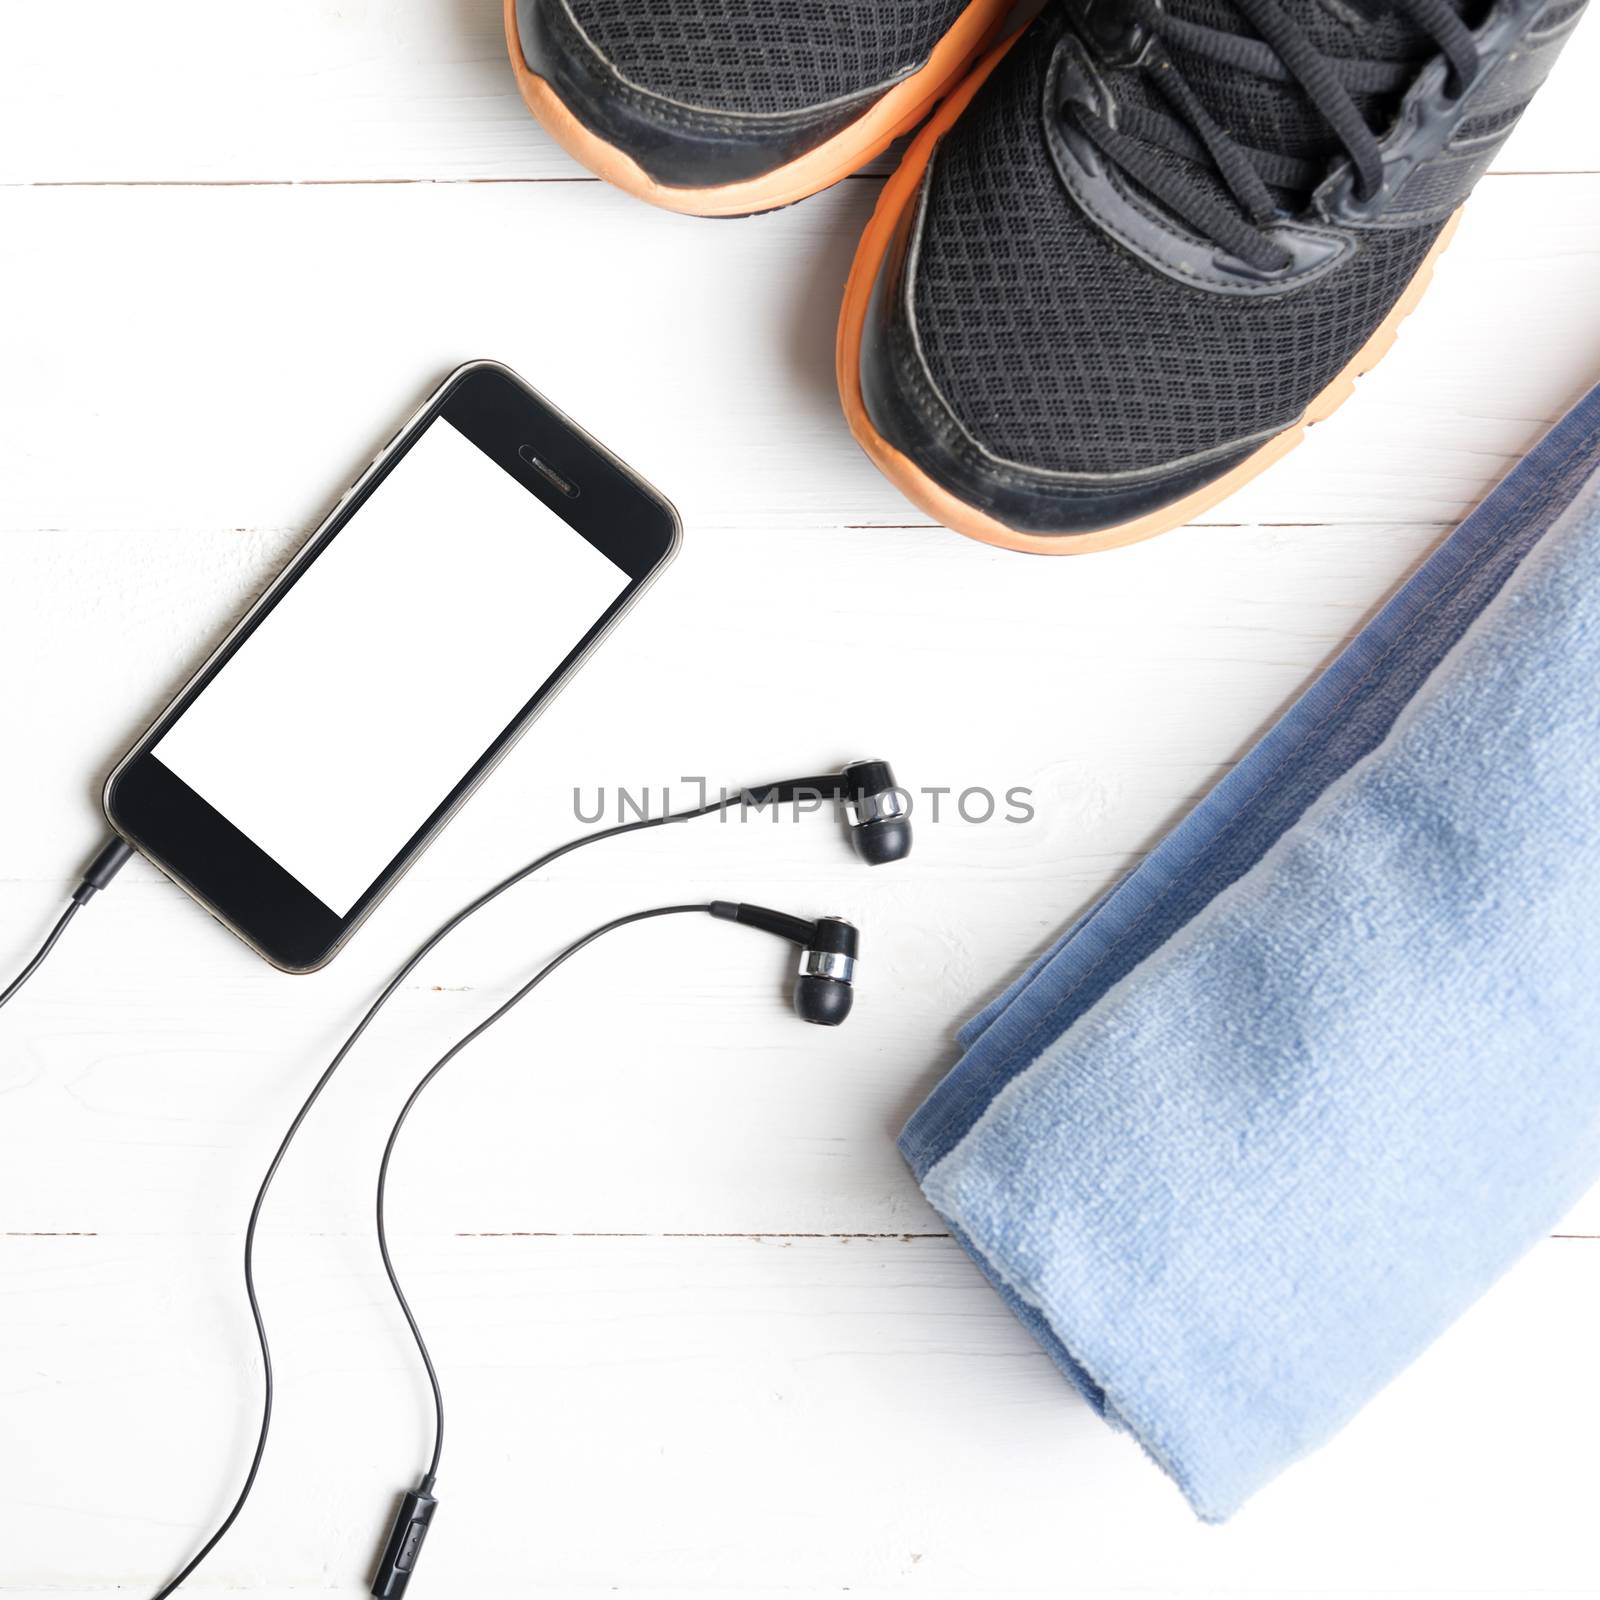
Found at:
<point>822,994</point>
<point>880,811</point>
<point>880,832</point>
<point>828,950</point>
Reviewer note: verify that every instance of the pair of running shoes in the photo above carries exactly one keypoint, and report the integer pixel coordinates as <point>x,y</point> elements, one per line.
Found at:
<point>1137,247</point>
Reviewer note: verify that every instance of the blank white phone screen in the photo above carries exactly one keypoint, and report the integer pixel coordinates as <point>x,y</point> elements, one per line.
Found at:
<point>390,666</point>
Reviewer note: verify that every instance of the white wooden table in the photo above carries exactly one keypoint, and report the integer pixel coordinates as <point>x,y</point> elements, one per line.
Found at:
<point>701,1336</point>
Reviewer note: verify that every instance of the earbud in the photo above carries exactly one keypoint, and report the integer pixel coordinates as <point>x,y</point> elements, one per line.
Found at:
<point>880,813</point>
<point>824,990</point>
<point>879,810</point>
<point>824,986</point>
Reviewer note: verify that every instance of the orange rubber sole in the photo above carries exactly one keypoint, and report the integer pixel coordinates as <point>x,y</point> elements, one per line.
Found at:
<point>949,508</point>
<point>897,112</point>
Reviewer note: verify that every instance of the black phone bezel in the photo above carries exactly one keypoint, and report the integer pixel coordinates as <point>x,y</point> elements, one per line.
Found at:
<point>232,877</point>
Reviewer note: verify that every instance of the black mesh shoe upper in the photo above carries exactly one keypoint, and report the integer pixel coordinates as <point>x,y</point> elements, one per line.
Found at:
<point>763,56</point>
<point>1056,347</point>
<point>1160,231</point>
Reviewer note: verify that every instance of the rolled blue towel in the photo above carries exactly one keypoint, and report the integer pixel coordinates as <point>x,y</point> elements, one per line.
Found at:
<point>1298,1090</point>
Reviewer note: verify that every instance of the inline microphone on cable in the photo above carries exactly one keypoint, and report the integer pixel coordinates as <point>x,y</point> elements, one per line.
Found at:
<point>410,1528</point>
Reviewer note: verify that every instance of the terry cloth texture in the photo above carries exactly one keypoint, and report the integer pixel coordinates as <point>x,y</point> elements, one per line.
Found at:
<point>1295,1093</point>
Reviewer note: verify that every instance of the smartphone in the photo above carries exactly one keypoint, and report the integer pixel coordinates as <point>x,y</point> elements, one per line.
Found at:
<point>455,587</point>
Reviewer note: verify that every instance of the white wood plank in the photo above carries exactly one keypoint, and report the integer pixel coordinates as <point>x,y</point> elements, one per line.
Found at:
<point>713,1417</point>
<point>145,1086</point>
<point>152,1062</point>
<point>252,343</point>
<point>100,91</point>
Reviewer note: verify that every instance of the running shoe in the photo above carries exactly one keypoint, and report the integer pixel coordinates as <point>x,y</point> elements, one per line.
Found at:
<point>727,107</point>
<point>1150,241</point>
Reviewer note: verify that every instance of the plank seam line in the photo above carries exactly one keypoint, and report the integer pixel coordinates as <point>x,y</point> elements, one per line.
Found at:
<point>938,527</point>
<point>771,1233</point>
<point>446,182</point>
<point>531,1233</point>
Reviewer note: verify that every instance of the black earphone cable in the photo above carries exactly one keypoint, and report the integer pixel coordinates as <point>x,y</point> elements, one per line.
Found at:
<point>113,856</point>
<point>416,1094</point>
<point>402,973</point>
<point>44,950</point>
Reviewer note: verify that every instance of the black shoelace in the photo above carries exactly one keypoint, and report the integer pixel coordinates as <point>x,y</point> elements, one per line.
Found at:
<point>1142,141</point>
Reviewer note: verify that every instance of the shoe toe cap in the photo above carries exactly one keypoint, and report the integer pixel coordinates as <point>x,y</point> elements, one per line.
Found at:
<point>935,423</point>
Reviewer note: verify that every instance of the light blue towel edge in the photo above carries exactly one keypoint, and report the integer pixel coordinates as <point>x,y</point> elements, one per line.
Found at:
<point>1214,1499</point>
<point>1006,1035</point>
<point>1511,520</point>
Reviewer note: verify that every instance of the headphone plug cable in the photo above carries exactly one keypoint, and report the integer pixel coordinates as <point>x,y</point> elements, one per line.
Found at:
<point>113,857</point>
